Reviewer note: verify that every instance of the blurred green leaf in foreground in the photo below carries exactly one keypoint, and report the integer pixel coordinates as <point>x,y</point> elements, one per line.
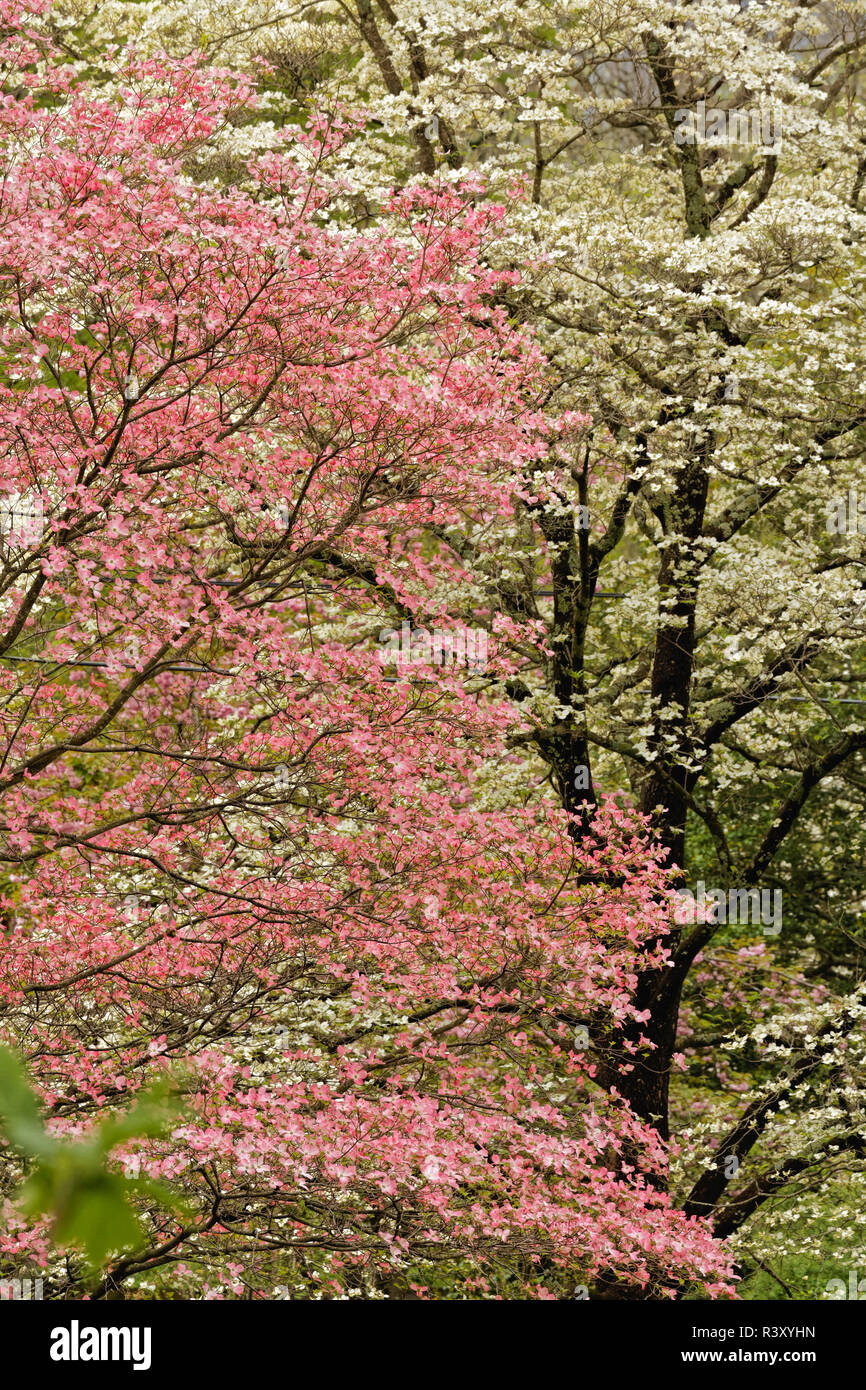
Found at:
<point>89,1206</point>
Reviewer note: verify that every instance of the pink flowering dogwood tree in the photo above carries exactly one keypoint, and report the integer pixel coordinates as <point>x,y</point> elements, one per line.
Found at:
<point>235,847</point>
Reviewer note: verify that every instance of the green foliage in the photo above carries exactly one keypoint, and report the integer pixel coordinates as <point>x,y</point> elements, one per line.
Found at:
<point>90,1207</point>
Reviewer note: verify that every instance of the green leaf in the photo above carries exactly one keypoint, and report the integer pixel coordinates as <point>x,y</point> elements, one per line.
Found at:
<point>88,1205</point>
<point>20,1117</point>
<point>99,1219</point>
